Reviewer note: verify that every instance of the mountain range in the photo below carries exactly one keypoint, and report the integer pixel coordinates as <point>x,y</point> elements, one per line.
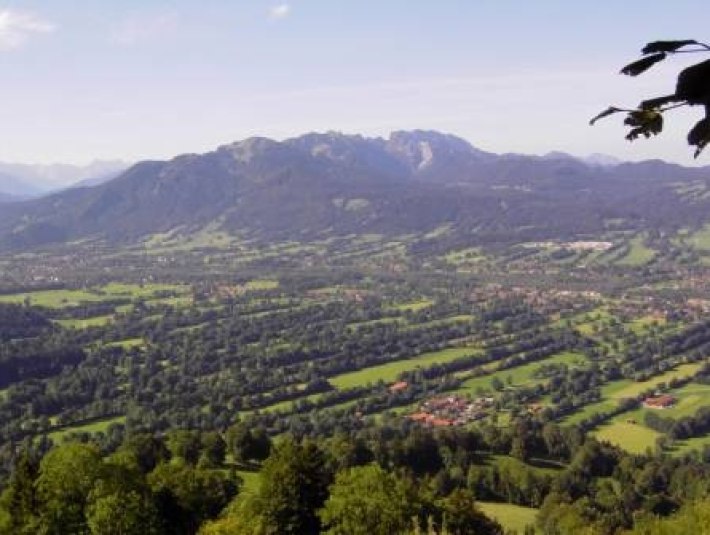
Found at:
<point>327,184</point>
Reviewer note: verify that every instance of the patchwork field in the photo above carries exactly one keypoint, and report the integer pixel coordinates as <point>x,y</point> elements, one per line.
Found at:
<point>235,316</point>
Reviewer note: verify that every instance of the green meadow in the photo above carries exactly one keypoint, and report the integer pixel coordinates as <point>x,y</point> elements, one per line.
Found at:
<point>389,372</point>
<point>85,323</point>
<point>511,517</point>
<point>97,426</point>
<point>639,254</point>
<point>66,298</point>
<point>633,437</point>
<point>520,375</point>
<point>415,306</point>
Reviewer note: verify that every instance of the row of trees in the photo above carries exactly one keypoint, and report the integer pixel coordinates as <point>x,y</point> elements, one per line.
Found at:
<point>386,479</point>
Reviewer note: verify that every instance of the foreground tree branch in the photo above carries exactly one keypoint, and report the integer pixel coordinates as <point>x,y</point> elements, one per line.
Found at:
<point>692,89</point>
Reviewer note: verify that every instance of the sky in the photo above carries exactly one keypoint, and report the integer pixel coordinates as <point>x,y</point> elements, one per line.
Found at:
<point>82,80</point>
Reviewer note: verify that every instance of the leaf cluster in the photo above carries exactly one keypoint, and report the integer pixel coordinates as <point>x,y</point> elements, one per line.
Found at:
<point>692,88</point>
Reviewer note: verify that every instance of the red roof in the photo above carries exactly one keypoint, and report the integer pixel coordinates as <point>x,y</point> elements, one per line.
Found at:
<point>440,422</point>
<point>664,400</point>
<point>401,385</point>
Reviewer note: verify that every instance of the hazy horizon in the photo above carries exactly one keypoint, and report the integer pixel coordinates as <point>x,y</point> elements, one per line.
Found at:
<point>129,81</point>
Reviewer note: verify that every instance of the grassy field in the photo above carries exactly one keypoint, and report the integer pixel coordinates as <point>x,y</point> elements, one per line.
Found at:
<point>642,324</point>
<point>588,410</point>
<point>463,256</point>
<point>250,481</point>
<point>639,254</point>
<point>97,426</point>
<point>415,305</point>
<point>613,392</point>
<point>461,318</point>
<point>629,389</point>
<point>701,239</point>
<point>519,375</point>
<point>389,372</point>
<point>634,438</point>
<point>261,284</point>
<point>74,323</point>
<point>588,323</point>
<point>114,290</point>
<point>53,298</point>
<point>128,343</point>
<point>511,517</point>
<point>690,398</point>
<point>175,301</point>
<point>683,447</point>
<point>209,237</point>
<point>381,321</point>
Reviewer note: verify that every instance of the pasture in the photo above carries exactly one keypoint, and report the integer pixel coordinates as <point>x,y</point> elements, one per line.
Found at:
<point>634,438</point>
<point>414,306</point>
<point>128,343</point>
<point>97,426</point>
<point>700,239</point>
<point>639,254</point>
<point>519,375</point>
<point>390,371</point>
<point>85,323</point>
<point>629,389</point>
<point>63,298</point>
<point>615,391</point>
<point>511,517</point>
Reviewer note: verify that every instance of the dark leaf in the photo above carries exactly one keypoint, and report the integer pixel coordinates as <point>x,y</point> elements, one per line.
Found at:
<point>609,111</point>
<point>694,83</point>
<point>657,102</point>
<point>666,46</point>
<point>646,123</point>
<point>699,135</point>
<point>634,133</point>
<point>642,65</point>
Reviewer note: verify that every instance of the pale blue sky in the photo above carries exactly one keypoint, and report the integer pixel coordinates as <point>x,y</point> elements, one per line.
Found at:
<point>131,79</point>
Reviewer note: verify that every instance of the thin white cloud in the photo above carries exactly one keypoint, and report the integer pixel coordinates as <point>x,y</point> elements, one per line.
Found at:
<point>16,27</point>
<point>280,12</point>
<point>144,28</point>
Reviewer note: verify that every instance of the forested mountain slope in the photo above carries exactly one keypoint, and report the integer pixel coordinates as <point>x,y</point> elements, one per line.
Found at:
<point>323,184</point>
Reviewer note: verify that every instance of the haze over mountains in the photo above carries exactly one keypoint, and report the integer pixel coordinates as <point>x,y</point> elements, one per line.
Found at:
<point>23,180</point>
<point>322,184</point>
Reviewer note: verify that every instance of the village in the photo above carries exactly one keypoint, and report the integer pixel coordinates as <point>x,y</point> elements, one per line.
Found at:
<point>453,410</point>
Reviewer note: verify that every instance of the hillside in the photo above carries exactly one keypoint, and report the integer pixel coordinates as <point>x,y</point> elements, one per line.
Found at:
<point>334,184</point>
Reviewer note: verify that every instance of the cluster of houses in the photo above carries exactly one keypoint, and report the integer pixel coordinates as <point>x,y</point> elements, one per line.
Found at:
<point>573,245</point>
<point>451,410</point>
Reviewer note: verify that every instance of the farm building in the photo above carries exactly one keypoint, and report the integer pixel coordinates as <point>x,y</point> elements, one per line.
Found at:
<point>399,386</point>
<point>659,402</point>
